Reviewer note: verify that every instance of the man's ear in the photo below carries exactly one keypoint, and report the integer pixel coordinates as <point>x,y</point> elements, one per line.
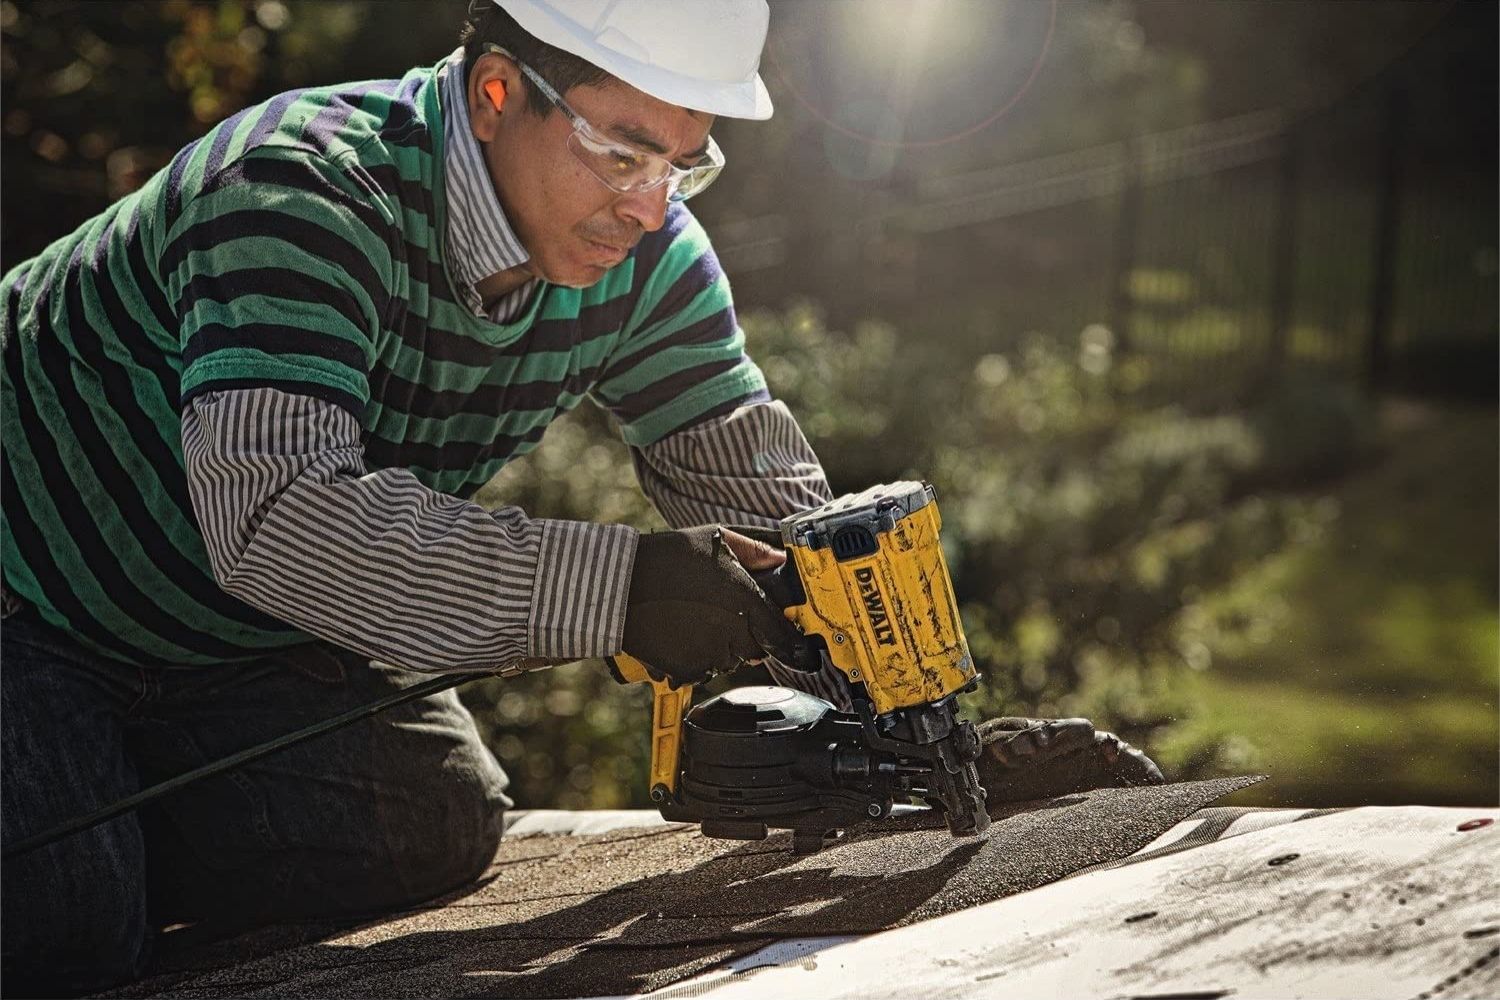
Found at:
<point>496,77</point>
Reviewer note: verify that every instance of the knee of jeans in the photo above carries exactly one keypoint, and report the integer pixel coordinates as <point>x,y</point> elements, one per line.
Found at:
<point>477,804</point>
<point>456,839</point>
<point>478,845</point>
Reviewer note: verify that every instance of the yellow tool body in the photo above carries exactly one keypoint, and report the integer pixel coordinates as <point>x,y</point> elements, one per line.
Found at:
<point>879,594</point>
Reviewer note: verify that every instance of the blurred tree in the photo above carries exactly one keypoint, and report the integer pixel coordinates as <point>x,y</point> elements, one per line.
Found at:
<point>99,95</point>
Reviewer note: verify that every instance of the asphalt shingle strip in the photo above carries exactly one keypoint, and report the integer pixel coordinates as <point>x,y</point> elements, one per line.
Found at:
<point>623,913</point>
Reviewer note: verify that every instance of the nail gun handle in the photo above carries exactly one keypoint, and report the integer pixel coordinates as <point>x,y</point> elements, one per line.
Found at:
<point>668,706</point>
<point>783,587</point>
<point>782,584</point>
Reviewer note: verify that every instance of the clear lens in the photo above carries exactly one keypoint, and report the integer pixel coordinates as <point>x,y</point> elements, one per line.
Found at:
<point>621,167</point>
<point>694,181</point>
<point>625,169</point>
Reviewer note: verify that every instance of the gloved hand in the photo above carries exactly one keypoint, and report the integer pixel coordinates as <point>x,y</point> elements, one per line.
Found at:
<point>1025,759</point>
<point>693,610</point>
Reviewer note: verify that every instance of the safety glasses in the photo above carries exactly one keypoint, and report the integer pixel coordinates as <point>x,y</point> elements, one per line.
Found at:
<point>618,165</point>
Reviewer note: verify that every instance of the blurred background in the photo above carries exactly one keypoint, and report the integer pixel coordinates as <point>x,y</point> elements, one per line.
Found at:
<point>1189,311</point>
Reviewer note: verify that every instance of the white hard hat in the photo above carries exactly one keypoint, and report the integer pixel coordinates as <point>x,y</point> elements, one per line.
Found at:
<point>698,54</point>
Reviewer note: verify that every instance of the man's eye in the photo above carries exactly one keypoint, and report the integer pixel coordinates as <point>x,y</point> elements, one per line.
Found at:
<point>624,163</point>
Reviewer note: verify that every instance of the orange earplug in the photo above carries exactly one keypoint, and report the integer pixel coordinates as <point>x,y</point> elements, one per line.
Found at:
<point>496,90</point>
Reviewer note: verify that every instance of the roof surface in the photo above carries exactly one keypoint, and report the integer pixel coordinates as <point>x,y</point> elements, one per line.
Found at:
<point>642,908</point>
<point>637,909</point>
<point>1358,904</point>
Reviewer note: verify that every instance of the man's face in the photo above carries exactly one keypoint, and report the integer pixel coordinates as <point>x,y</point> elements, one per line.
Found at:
<point>572,224</point>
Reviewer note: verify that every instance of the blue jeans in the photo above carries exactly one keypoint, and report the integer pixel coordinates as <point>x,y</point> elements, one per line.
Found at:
<point>385,812</point>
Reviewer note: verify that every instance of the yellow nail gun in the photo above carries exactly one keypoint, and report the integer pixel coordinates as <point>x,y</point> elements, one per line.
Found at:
<point>867,584</point>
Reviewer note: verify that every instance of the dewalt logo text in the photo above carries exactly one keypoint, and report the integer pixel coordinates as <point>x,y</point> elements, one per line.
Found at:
<point>869,593</point>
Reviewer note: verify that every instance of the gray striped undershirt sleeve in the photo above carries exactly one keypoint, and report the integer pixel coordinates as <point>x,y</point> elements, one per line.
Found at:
<point>752,466</point>
<point>378,563</point>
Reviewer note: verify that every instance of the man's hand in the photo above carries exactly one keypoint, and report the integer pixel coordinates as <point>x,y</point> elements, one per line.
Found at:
<point>693,610</point>
<point>1026,759</point>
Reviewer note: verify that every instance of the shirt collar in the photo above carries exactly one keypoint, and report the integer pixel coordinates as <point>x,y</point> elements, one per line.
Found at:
<point>479,241</point>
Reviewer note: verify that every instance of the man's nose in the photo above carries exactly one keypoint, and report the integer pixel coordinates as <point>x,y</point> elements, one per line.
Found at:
<point>647,209</point>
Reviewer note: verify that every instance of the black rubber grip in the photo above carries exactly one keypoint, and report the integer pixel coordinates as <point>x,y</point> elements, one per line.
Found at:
<point>782,585</point>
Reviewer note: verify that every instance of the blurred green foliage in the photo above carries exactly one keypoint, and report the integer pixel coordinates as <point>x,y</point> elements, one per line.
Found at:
<point>99,94</point>
<point>1359,665</point>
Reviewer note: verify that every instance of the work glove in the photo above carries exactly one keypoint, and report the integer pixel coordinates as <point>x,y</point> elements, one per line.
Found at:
<point>693,609</point>
<point>1025,759</point>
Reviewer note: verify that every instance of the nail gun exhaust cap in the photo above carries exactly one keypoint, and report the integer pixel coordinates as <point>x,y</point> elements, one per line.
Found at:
<point>759,709</point>
<point>697,54</point>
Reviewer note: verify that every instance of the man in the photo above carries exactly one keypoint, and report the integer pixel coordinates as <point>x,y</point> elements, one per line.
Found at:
<point>244,408</point>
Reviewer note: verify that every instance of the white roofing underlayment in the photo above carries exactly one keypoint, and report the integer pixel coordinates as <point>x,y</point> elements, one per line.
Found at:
<point>1400,902</point>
